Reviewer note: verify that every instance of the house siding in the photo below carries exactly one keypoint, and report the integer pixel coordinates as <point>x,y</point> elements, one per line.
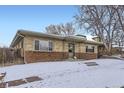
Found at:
<point>60,51</point>
<point>57,44</point>
<point>18,46</point>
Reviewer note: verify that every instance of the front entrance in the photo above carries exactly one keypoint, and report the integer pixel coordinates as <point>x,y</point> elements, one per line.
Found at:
<point>71,50</point>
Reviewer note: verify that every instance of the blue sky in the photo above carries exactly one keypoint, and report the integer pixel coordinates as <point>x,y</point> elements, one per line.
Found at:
<point>34,18</point>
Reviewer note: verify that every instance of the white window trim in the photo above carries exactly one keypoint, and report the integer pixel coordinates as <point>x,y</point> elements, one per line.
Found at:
<point>39,49</point>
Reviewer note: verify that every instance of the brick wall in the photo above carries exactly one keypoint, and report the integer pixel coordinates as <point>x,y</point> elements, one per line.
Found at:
<point>86,56</point>
<point>35,56</point>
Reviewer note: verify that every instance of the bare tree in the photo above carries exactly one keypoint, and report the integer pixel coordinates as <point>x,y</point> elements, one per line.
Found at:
<point>120,14</point>
<point>67,29</point>
<point>99,20</point>
<point>53,29</point>
<point>62,29</point>
<point>119,40</point>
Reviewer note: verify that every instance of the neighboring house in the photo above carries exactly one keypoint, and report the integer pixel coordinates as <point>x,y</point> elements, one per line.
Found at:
<point>36,46</point>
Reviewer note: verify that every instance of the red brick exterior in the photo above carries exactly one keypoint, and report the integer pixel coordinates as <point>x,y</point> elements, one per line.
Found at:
<point>35,56</point>
<point>86,56</point>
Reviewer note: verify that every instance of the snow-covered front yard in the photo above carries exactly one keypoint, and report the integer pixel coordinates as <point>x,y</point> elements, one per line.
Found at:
<point>108,73</point>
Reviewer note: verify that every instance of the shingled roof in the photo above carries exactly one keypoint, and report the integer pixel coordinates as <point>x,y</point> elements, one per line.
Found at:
<point>22,33</point>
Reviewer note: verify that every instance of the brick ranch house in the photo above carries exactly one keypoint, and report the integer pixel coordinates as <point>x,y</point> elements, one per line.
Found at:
<point>36,46</point>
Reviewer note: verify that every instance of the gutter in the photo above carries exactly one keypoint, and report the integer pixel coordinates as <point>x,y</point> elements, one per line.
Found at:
<point>16,36</point>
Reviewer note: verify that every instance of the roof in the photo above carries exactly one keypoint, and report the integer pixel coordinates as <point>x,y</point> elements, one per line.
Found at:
<point>22,33</point>
<point>38,34</point>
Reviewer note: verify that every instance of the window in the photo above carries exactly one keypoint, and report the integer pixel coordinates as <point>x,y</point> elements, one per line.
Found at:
<point>50,46</point>
<point>90,48</point>
<point>43,45</point>
<point>37,45</point>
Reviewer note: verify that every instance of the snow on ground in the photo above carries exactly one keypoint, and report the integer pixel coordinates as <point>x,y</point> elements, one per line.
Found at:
<point>108,73</point>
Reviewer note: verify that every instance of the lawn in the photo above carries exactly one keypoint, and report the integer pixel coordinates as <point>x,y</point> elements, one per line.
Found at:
<point>97,73</point>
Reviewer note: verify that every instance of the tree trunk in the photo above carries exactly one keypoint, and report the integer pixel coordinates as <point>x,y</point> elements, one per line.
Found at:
<point>108,49</point>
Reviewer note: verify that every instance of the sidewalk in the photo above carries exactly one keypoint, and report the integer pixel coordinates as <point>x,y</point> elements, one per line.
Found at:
<point>19,81</point>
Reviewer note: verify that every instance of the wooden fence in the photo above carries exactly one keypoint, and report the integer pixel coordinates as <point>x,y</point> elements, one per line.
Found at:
<point>9,56</point>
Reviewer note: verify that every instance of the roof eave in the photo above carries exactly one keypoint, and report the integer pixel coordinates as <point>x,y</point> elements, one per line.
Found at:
<point>17,37</point>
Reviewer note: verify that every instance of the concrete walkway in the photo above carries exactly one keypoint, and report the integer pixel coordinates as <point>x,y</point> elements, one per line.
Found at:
<point>19,81</point>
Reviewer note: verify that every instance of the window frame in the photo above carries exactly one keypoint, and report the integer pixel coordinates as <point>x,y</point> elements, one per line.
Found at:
<point>34,45</point>
<point>40,50</point>
<point>90,50</point>
<point>50,47</point>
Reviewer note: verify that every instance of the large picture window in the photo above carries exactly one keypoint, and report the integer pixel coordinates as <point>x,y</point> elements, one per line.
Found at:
<point>90,48</point>
<point>42,45</point>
